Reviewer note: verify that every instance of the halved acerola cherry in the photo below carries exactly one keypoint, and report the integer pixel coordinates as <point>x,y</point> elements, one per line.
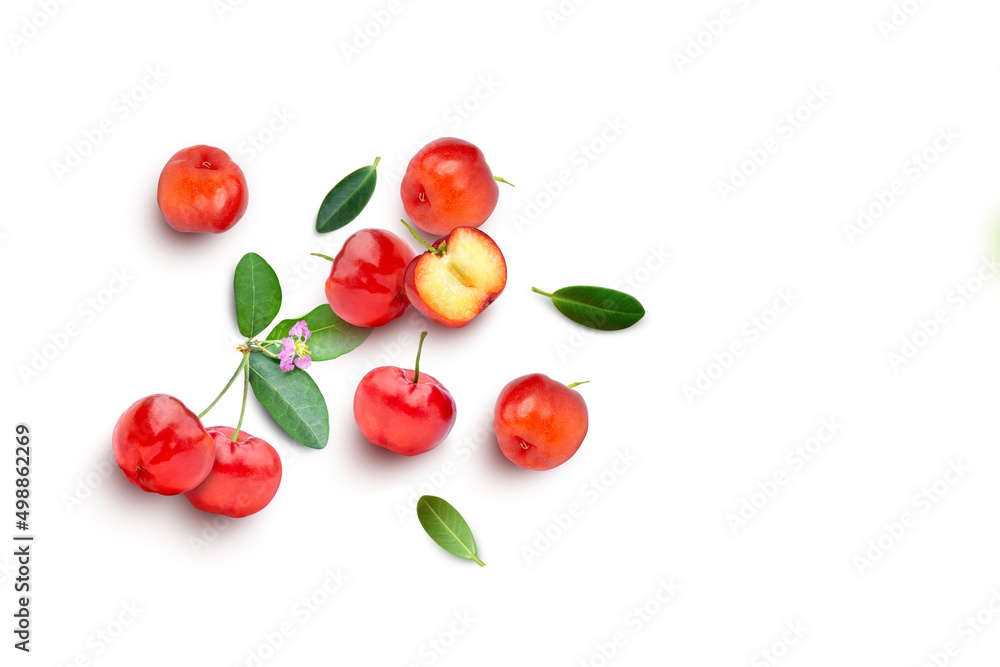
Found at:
<point>457,278</point>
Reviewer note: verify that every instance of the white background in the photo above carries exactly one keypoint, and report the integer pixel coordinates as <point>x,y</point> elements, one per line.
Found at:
<point>211,597</point>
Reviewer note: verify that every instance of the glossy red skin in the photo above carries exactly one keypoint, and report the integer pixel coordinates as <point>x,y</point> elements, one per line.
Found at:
<point>413,293</point>
<point>194,197</point>
<point>365,286</point>
<point>161,446</point>
<point>403,417</point>
<point>244,478</point>
<point>448,184</point>
<point>540,423</point>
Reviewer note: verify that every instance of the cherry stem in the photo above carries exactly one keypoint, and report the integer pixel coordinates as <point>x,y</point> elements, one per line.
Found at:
<point>319,254</point>
<point>538,291</point>
<point>243,362</point>
<point>436,251</point>
<point>375,166</point>
<point>498,178</point>
<point>416,365</point>
<point>577,384</point>
<point>246,387</point>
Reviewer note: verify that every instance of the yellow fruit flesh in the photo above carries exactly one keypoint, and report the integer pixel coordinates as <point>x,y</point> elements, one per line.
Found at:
<point>458,284</point>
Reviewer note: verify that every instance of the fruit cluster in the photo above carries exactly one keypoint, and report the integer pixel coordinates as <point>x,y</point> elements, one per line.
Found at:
<point>448,190</point>
<point>162,447</point>
<point>539,422</point>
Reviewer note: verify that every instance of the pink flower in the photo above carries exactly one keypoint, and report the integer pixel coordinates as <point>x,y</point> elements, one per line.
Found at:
<point>301,329</point>
<point>294,351</point>
<point>287,354</point>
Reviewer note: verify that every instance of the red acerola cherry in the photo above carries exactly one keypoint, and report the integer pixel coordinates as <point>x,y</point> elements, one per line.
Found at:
<point>540,423</point>
<point>243,480</point>
<point>161,446</point>
<point>201,189</point>
<point>365,287</point>
<point>447,185</point>
<point>406,411</point>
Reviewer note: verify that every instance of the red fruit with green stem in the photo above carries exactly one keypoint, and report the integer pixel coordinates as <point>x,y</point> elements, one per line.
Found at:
<point>161,446</point>
<point>201,189</point>
<point>405,411</point>
<point>457,278</point>
<point>246,471</point>
<point>539,423</point>
<point>244,478</point>
<point>365,287</point>
<point>448,184</point>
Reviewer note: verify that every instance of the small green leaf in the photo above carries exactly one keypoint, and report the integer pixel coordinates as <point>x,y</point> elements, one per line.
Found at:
<point>331,336</point>
<point>447,527</point>
<point>293,399</point>
<point>347,199</point>
<point>597,307</point>
<point>258,294</point>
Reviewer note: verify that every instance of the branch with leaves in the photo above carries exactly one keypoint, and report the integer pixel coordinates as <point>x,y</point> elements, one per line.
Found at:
<point>276,366</point>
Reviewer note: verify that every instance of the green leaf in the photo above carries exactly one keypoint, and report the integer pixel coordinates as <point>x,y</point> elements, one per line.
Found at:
<point>597,307</point>
<point>347,199</point>
<point>292,398</point>
<point>258,294</point>
<point>447,527</point>
<point>331,336</point>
